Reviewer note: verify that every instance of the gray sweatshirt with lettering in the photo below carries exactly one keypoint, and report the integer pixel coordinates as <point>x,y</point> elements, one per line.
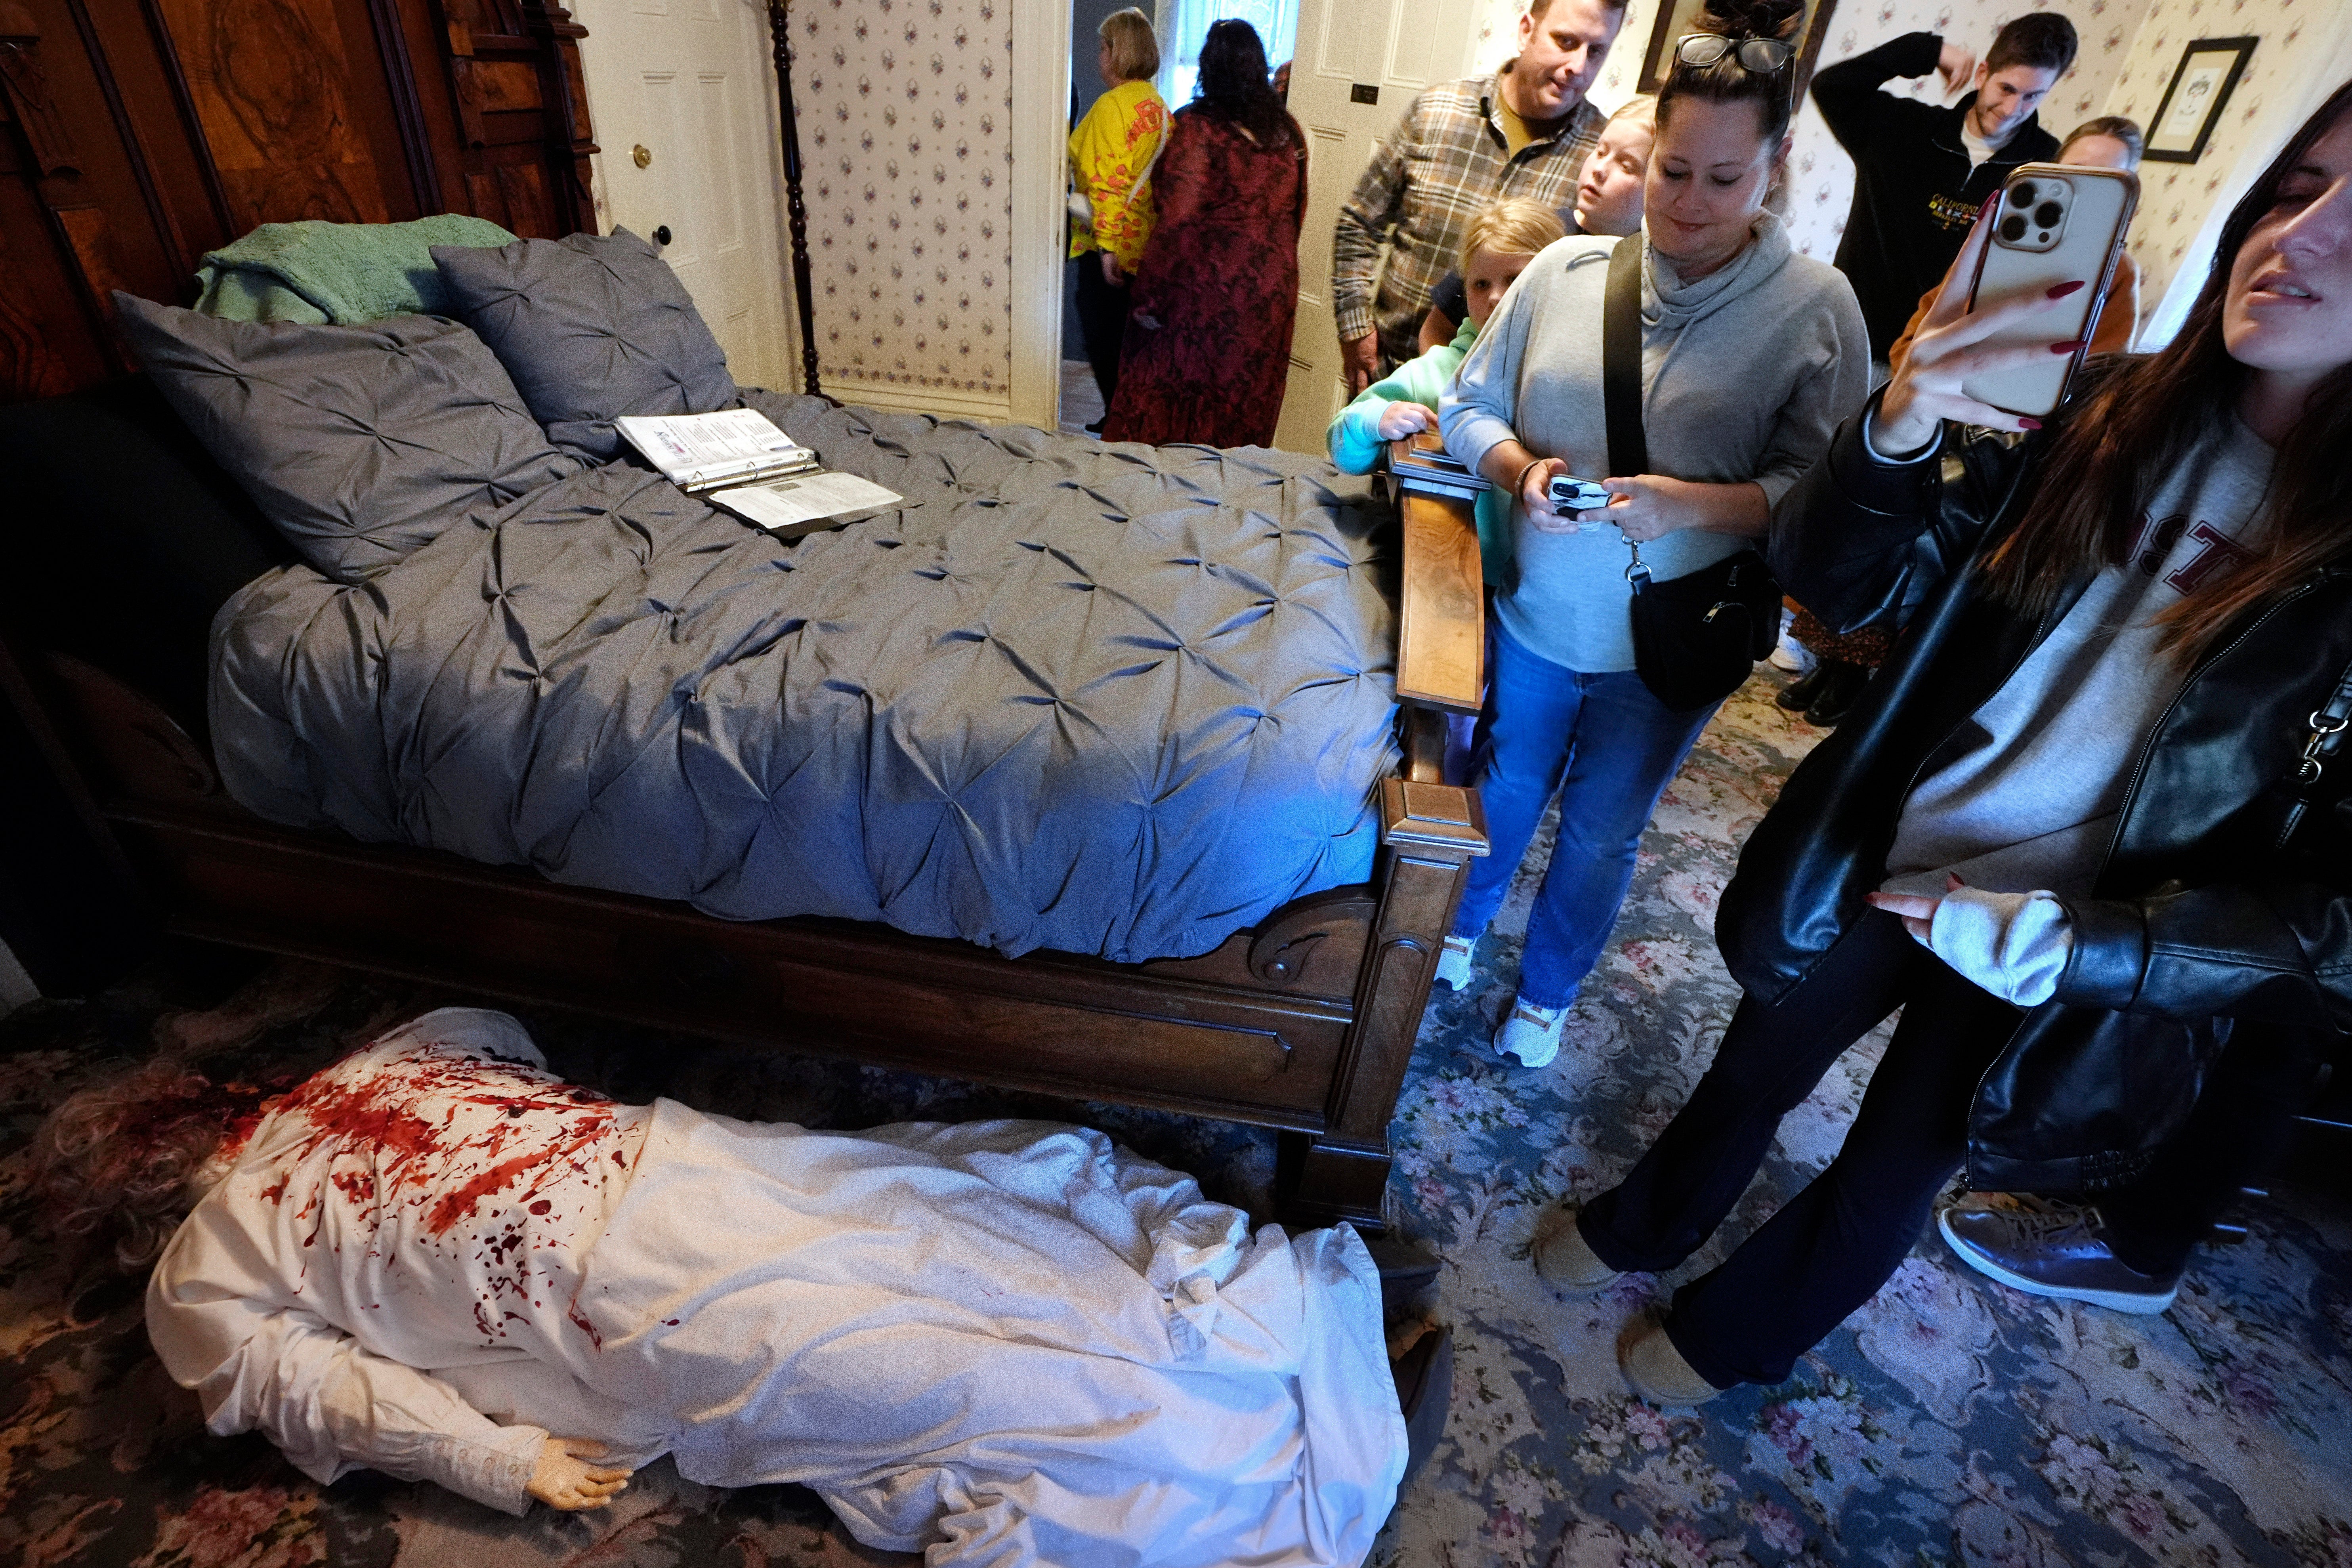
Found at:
<point>1745,375</point>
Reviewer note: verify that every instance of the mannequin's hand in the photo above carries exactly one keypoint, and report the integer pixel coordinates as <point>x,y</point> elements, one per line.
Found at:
<point>563,1478</point>
<point>1399,420</point>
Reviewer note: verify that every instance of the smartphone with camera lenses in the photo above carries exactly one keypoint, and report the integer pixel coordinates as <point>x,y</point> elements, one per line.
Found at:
<point>2056,223</point>
<point>1570,495</point>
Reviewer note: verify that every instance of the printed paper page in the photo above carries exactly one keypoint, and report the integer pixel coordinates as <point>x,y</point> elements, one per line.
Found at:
<point>804,497</point>
<point>685,445</point>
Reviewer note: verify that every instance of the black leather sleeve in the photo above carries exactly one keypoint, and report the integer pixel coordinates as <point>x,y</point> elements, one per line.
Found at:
<point>2277,951</point>
<point>1863,542</point>
<point>1848,95</point>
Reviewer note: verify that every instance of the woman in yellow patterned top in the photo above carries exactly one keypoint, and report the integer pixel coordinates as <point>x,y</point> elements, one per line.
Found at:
<point>1111,152</point>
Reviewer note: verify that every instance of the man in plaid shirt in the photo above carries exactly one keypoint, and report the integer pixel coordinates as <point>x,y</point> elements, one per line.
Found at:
<point>1524,131</point>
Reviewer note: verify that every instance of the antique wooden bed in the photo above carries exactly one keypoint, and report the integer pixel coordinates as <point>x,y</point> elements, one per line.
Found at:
<point>1304,1024</point>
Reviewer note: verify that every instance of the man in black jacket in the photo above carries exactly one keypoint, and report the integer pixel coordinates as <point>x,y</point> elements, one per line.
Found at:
<point>1920,173</point>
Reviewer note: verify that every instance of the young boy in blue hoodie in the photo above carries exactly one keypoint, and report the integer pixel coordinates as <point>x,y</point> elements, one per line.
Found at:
<point>1502,239</point>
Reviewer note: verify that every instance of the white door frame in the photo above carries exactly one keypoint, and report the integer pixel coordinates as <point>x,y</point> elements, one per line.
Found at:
<point>1040,129</point>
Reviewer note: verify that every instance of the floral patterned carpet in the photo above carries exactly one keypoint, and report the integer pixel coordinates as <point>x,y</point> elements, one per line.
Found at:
<point>1949,1421</point>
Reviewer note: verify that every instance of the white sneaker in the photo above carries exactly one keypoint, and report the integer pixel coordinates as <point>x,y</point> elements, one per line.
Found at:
<point>1792,657</point>
<point>1453,962</point>
<point>1531,1034</point>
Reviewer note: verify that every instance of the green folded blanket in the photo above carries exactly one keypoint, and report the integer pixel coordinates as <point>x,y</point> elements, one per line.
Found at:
<point>318,272</point>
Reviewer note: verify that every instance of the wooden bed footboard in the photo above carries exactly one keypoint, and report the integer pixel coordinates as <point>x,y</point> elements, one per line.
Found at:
<point>1305,1024</point>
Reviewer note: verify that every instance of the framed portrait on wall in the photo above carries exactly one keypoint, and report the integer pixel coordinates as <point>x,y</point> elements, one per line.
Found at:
<point>1678,17</point>
<point>2201,84</point>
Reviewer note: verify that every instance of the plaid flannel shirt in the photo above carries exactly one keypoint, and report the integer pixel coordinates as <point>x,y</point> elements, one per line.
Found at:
<point>1432,175</point>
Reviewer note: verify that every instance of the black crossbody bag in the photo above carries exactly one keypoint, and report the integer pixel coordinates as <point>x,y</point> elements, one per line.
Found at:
<point>1696,637</point>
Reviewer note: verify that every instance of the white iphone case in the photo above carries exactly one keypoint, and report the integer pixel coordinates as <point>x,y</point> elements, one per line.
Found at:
<point>2056,222</point>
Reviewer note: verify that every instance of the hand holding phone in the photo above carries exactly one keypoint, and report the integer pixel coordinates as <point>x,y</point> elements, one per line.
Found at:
<point>1570,495</point>
<point>2056,224</point>
<point>1973,335</point>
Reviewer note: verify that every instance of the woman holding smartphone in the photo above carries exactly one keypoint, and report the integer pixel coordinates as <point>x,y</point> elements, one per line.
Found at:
<point>1750,356</point>
<point>2083,829</point>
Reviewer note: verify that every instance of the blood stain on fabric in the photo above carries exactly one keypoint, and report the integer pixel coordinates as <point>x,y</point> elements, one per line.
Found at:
<point>406,1140</point>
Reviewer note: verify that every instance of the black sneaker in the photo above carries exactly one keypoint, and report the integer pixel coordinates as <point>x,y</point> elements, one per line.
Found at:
<point>2056,1249</point>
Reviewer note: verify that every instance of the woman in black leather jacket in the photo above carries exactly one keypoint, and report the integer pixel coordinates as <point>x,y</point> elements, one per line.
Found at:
<point>2070,830</point>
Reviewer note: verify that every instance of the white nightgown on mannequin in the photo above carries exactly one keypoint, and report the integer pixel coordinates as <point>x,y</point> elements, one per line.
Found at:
<point>997,1343</point>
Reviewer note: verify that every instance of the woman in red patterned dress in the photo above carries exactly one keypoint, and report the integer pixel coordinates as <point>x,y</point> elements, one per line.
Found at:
<point>1208,337</point>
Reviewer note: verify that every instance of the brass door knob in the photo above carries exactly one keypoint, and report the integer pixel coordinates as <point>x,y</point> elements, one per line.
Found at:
<point>642,155</point>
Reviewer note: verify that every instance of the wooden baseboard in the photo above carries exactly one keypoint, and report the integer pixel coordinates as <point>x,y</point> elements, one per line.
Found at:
<point>985,407</point>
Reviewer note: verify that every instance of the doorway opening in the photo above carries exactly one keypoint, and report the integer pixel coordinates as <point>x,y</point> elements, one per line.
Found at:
<point>1180,25</point>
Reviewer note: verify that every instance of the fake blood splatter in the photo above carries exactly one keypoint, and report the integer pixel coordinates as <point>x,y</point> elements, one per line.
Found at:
<point>458,1152</point>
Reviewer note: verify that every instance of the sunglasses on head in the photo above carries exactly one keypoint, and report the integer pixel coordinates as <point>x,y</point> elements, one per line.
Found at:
<point>1762,56</point>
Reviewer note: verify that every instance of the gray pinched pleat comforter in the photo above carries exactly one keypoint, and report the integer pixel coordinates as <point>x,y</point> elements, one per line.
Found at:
<point>1112,699</point>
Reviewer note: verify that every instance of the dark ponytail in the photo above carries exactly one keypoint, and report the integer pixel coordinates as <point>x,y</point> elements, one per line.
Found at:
<point>1236,86</point>
<point>1727,80</point>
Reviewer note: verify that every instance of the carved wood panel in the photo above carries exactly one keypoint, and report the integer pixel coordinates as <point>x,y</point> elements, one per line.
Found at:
<point>135,135</point>
<point>267,78</point>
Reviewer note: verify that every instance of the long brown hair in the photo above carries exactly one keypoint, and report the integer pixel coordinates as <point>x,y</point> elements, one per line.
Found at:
<point>2142,417</point>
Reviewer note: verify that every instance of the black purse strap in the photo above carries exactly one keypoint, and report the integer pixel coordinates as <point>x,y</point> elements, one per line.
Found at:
<point>1621,359</point>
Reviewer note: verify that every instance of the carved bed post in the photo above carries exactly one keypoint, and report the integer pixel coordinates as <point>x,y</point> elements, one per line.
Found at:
<point>1430,832</point>
<point>795,207</point>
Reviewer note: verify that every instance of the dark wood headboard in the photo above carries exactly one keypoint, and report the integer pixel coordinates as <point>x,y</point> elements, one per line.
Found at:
<point>135,135</point>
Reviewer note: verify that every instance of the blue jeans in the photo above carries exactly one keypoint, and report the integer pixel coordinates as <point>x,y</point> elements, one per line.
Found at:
<point>1608,749</point>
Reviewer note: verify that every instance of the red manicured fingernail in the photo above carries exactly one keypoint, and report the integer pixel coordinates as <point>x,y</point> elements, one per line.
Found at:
<point>2065,348</point>
<point>2027,421</point>
<point>2060,290</point>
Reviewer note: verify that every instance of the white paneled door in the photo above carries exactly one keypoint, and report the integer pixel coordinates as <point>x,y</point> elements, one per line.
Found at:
<point>1349,51</point>
<point>682,94</point>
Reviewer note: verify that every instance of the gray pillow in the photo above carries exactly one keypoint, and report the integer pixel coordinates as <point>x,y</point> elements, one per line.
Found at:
<point>361,444</point>
<point>591,329</point>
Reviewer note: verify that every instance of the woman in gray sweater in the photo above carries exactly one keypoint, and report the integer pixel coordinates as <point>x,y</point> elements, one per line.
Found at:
<point>1752,356</point>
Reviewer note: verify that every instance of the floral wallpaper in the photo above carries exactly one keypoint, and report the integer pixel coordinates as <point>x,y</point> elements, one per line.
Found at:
<point>905,109</point>
<point>2278,87</point>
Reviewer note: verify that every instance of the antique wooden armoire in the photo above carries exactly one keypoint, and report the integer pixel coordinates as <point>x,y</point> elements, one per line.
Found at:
<point>135,135</point>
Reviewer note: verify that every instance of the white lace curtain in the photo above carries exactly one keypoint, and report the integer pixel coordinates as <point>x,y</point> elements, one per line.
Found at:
<point>1182,24</point>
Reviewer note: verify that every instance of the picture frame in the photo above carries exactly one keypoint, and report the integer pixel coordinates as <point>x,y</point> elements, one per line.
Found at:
<point>1677,17</point>
<point>2201,84</point>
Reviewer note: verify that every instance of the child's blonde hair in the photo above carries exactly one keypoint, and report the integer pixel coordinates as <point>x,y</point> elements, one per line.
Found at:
<point>1134,48</point>
<point>1642,106</point>
<point>1512,227</point>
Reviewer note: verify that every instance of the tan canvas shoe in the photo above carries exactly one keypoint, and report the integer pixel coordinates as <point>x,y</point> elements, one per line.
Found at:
<point>1571,1267</point>
<point>1658,1372</point>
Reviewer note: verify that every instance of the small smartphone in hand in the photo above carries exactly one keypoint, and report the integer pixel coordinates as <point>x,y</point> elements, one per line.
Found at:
<point>2056,223</point>
<point>1570,495</point>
